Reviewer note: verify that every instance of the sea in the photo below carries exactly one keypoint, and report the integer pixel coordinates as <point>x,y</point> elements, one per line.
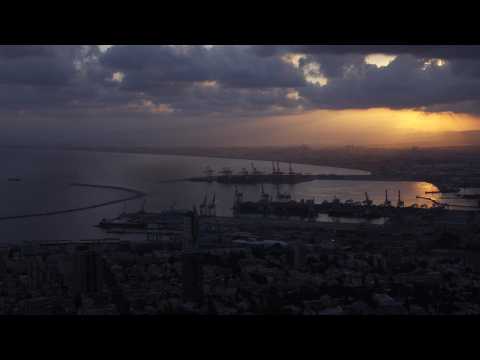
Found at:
<point>38,181</point>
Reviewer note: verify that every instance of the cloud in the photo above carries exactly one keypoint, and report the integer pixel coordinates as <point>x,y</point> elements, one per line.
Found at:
<point>426,77</point>
<point>150,67</point>
<point>405,83</point>
<point>236,77</point>
<point>37,65</point>
<point>19,51</point>
<point>421,51</point>
<point>236,81</point>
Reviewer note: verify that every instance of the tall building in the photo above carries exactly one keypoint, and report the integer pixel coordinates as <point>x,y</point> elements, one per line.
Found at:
<point>37,273</point>
<point>88,272</point>
<point>192,277</point>
<point>300,254</point>
<point>3,262</point>
<point>191,229</point>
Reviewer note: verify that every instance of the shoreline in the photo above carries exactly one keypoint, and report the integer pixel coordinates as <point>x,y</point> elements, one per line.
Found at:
<point>369,175</point>
<point>167,153</point>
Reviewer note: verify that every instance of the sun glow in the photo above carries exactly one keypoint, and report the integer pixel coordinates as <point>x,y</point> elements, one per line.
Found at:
<point>376,126</point>
<point>419,121</point>
<point>379,60</point>
<point>118,77</point>
<point>293,59</point>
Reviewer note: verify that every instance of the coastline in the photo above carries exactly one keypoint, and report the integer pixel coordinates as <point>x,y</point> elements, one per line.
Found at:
<point>168,153</point>
<point>370,176</point>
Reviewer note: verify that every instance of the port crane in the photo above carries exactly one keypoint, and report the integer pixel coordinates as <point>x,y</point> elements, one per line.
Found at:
<point>255,171</point>
<point>400,202</point>
<point>212,207</point>
<point>265,197</point>
<point>387,202</point>
<point>203,206</point>
<point>279,172</point>
<point>367,201</point>
<point>238,196</point>
<point>282,196</point>
<point>290,169</point>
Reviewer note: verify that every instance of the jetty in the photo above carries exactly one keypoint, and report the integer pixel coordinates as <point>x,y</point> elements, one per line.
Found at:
<point>135,195</point>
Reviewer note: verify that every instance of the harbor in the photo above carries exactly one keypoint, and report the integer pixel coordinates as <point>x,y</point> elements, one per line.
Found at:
<point>61,209</point>
<point>283,180</point>
<point>283,207</point>
<point>320,247</point>
<point>255,176</point>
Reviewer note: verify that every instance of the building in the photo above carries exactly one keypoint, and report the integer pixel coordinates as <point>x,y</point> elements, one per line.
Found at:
<point>300,254</point>
<point>37,274</point>
<point>192,277</point>
<point>3,262</point>
<point>191,230</point>
<point>88,272</point>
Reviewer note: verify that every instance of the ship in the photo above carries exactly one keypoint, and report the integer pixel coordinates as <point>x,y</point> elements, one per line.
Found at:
<point>122,222</point>
<point>142,219</point>
<point>126,220</point>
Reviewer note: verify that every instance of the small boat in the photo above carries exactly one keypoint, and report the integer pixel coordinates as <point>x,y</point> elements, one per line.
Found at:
<point>14,179</point>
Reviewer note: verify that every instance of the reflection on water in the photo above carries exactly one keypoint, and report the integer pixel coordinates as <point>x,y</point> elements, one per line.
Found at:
<point>424,188</point>
<point>327,218</point>
<point>321,190</point>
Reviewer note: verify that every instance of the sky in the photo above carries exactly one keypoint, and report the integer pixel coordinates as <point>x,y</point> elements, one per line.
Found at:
<point>180,95</point>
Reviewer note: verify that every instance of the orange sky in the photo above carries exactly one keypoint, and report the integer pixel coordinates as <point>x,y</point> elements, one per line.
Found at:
<point>357,127</point>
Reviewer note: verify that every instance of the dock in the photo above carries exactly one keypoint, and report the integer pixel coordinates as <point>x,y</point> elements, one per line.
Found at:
<point>256,179</point>
<point>252,179</point>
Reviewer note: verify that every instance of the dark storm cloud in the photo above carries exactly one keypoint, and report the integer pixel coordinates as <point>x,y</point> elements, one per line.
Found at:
<point>19,51</point>
<point>57,78</point>
<point>38,65</point>
<point>33,71</point>
<point>406,83</point>
<point>231,66</point>
<point>235,80</point>
<point>195,80</point>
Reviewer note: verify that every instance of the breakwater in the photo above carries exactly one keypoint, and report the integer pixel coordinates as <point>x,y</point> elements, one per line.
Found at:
<point>135,195</point>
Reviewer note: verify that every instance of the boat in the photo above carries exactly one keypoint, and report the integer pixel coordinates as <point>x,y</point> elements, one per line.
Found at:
<point>126,220</point>
<point>122,222</point>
